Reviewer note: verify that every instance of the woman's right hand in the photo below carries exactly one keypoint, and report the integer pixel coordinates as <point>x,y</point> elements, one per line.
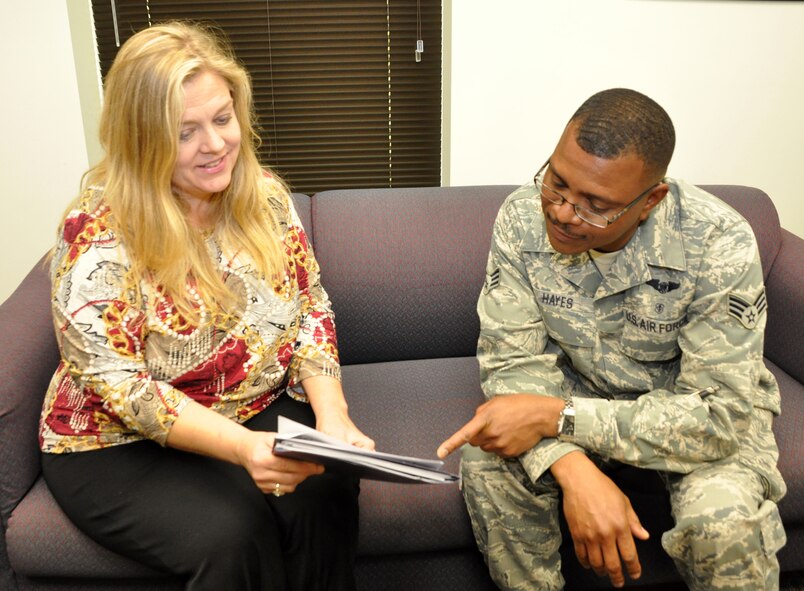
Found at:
<point>255,454</point>
<point>204,431</point>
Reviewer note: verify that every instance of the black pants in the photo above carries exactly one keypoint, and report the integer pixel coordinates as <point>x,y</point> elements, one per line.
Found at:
<point>206,520</point>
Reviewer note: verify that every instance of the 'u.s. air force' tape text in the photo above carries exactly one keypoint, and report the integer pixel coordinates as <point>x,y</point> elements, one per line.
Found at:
<point>657,326</point>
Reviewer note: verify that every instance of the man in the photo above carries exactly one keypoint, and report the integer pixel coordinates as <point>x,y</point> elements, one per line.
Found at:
<point>622,322</point>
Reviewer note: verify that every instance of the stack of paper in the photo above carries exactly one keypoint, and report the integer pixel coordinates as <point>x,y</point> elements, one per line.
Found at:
<point>298,441</point>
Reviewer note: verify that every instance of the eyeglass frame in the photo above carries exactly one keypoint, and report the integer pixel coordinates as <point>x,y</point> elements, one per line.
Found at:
<point>582,211</point>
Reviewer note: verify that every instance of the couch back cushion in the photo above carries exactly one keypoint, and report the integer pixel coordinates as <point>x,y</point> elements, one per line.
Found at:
<point>404,268</point>
<point>28,357</point>
<point>301,203</point>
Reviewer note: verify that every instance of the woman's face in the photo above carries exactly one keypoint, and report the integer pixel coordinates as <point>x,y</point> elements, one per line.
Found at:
<point>209,140</point>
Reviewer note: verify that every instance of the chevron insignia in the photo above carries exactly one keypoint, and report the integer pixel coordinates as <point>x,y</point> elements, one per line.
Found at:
<point>492,280</point>
<point>747,313</point>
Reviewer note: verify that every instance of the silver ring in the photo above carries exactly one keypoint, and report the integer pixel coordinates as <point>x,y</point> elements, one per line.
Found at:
<point>277,492</point>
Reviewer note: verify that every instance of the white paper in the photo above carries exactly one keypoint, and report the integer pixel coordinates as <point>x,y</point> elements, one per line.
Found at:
<point>300,441</point>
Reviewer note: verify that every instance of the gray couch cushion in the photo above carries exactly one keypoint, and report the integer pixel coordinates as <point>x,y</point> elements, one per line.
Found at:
<point>790,437</point>
<point>425,402</point>
<point>404,267</point>
<point>40,528</point>
<point>785,328</point>
<point>29,356</point>
<point>303,206</point>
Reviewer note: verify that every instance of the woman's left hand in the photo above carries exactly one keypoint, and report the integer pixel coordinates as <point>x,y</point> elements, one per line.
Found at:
<point>343,428</point>
<point>331,412</point>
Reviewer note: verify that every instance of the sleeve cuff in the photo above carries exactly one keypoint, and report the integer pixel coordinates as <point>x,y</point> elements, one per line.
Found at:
<point>594,421</point>
<point>538,460</point>
<point>310,368</point>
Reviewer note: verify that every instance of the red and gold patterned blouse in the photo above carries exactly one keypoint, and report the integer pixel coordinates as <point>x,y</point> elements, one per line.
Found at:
<point>130,362</point>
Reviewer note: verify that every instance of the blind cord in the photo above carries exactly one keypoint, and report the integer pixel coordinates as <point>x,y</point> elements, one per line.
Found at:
<point>116,30</point>
<point>390,106</point>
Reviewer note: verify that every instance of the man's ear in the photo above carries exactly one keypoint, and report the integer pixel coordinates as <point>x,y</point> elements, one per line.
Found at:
<point>653,199</point>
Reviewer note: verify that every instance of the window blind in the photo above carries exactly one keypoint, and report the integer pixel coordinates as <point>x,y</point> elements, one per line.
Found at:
<point>341,100</point>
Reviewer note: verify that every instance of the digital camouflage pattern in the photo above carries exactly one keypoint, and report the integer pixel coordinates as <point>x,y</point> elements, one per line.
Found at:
<point>663,355</point>
<point>727,533</point>
<point>515,521</point>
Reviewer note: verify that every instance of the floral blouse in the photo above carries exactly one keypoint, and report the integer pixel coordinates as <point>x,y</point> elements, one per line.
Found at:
<point>130,362</point>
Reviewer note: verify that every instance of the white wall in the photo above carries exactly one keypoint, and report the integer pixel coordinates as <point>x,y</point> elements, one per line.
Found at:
<point>730,74</point>
<point>42,151</point>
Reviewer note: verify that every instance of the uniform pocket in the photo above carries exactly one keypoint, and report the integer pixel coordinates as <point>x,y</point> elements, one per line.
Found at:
<point>651,325</point>
<point>771,528</point>
<point>569,318</point>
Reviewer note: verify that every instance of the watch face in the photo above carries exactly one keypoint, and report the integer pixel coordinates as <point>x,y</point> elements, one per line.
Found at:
<point>568,423</point>
<point>569,427</point>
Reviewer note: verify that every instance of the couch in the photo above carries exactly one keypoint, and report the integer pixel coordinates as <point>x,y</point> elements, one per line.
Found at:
<point>403,268</point>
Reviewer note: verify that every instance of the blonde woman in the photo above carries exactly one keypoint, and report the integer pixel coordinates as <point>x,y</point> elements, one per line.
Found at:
<point>189,315</point>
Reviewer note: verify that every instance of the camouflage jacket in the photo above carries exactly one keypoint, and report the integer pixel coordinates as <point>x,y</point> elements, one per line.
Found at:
<point>681,309</point>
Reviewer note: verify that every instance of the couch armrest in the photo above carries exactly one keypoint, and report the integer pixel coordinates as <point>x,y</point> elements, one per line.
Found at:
<point>785,290</point>
<point>28,357</point>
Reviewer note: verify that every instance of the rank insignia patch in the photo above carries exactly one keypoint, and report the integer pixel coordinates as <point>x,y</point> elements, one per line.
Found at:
<point>747,313</point>
<point>492,280</point>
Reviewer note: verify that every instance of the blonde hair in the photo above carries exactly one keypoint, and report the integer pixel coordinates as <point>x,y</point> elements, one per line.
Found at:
<point>139,130</point>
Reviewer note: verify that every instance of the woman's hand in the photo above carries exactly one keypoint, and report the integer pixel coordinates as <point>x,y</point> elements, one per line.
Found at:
<point>341,426</point>
<point>204,431</point>
<point>254,452</point>
<point>331,412</point>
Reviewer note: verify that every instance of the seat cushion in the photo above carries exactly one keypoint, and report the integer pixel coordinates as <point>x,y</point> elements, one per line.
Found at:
<point>38,528</point>
<point>425,402</point>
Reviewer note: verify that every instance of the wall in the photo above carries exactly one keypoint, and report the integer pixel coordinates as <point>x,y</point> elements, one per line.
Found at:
<point>42,152</point>
<point>730,74</point>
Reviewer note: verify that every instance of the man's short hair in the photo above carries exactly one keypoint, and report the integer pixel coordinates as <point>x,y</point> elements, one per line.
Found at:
<point>619,121</point>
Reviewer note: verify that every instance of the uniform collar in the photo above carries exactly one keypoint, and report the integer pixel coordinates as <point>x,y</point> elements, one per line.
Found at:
<point>659,237</point>
<point>657,243</point>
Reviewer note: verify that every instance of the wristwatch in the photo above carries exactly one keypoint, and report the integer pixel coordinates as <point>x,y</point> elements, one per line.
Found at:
<point>566,421</point>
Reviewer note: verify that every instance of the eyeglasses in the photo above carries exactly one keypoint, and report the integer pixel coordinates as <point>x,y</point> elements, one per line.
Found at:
<point>590,217</point>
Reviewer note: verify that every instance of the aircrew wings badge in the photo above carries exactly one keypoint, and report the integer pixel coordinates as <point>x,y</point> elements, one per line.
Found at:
<point>747,313</point>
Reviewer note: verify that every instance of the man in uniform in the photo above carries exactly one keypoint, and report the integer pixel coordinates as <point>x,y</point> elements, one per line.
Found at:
<point>622,322</point>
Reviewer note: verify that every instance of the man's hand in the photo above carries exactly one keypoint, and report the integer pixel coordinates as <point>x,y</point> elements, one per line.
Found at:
<point>601,521</point>
<point>507,425</point>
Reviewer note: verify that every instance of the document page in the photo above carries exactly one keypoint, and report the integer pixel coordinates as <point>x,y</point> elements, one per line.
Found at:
<point>301,442</point>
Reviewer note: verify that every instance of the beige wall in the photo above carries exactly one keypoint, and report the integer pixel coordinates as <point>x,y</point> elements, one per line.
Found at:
<point>729,73</point>
<point>42,151</point>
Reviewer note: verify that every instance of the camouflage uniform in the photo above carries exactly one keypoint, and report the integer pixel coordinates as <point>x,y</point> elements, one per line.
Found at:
<point>681,309</point>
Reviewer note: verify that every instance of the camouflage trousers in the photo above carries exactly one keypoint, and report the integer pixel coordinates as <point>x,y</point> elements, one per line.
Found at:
<point>726,532</point>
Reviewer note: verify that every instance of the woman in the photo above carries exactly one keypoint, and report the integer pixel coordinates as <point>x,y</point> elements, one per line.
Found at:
<point>190,315</point>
